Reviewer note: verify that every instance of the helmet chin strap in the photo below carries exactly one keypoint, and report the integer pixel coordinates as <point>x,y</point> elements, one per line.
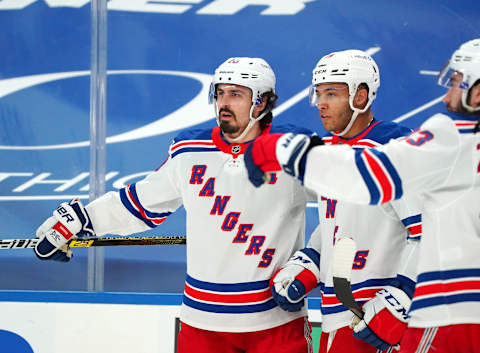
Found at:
<point>250,124</point>
<point>350,124</point>
<point>356,111</point>
<point>247,128</point>
<point>466,105</point>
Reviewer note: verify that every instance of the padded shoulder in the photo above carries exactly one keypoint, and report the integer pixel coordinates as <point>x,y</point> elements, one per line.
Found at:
<point>193,134</point>
<point>291,128</point>
<point>387,130</point>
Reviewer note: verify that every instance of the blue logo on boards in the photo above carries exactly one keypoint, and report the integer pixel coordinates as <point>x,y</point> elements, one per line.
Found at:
<point>10,342</point>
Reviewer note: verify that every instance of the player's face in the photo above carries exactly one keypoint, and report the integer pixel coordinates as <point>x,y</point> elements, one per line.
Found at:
<point>234,103</point>
<point>333,105</point>
<point>453,97</point>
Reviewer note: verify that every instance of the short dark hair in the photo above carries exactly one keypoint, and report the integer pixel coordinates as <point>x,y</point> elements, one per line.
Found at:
<point>271,99</point>
<point>477,82</point>
<point>363,86</point>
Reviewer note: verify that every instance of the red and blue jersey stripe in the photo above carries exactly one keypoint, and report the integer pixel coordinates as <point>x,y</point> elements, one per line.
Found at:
<point>465,126</point>
<point>379,174</point>
<point>414,226</point>
<point>192,146</point>
<point>249,297</point>
<point>129,198</point>
<point>362,292</point>
<point>446,287</point>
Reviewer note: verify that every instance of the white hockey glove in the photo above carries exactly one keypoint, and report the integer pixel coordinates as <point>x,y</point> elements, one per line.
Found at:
<point>69,220</point>
<point>385,318</point>
<point>295,279</point>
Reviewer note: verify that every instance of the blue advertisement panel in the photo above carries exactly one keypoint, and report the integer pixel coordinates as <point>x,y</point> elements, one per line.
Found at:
<point>161,55</point>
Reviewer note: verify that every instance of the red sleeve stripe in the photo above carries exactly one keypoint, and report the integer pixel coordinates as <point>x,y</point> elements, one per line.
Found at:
<point>379,175</point>
<point>415,230</point>
<point>140,209</point>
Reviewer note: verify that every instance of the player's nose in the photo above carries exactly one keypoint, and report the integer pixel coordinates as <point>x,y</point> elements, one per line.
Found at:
<point>322,105</point>
<point>447,97</point>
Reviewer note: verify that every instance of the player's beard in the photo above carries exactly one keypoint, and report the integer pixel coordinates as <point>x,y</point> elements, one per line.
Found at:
<point>458,108</point>
<point>229,126</point>
<point>340,122</point>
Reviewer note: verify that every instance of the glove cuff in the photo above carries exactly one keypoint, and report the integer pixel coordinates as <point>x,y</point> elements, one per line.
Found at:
<point>82,214</point>
<point>74,217</point>
<point>290,150</point>
<point>396,301</point>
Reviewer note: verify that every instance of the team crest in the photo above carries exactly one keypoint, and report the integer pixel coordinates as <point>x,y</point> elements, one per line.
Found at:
<point>236,149</point>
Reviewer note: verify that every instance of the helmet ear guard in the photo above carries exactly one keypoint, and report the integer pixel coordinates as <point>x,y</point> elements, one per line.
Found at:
<point>465,60</point>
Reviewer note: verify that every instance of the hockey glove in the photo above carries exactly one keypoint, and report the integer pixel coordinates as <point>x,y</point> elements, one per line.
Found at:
<point>260,158</point>
<point>295,279</point>
<point>69,220</point>
<point>385,318</point>
<point>273,152</point>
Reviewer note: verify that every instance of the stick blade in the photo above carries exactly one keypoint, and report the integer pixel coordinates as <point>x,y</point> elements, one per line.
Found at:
<point>343,256</point>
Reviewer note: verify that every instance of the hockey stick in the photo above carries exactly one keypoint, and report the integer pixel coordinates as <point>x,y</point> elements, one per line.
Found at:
<point>100,241</point>
<point>343,255</point>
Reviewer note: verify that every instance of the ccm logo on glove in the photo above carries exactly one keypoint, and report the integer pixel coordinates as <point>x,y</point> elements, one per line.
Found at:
<point>395,304</point>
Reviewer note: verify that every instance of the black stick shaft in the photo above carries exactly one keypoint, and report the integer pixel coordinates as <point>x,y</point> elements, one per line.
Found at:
<point>100,241</point>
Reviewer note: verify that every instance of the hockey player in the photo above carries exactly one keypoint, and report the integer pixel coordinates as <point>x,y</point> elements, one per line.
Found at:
<point>236,236</point>
<point>344,85</point>
<point>441,162</point>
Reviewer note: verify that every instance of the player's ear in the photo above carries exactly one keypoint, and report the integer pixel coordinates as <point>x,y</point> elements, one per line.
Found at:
<point>361,97</point>
<point>475,96</point>
<point>260,105</point>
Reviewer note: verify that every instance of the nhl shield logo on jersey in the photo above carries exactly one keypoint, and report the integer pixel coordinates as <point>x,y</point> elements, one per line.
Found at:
<point>236,149</point>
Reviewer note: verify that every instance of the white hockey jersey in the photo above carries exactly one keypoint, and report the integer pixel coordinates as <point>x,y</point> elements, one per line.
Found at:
<point>381,233</point>
<point>440,162</point>
<point>237,235</point>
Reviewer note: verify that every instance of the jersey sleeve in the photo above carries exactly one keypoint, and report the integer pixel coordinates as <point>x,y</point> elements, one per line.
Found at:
<point>411,164</point>
<point>140,206</point>
<point>407,271</point>
<point>409,210</point>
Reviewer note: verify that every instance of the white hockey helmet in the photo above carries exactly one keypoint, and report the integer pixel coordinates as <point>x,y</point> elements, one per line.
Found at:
<point>352,67</point>
<point>253,73</point>
<point>465,60</point>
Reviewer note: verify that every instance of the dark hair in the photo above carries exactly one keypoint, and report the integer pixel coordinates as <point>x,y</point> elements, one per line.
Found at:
<point>363,86</point>
<point>477,82</point>
<point>271,98</point>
